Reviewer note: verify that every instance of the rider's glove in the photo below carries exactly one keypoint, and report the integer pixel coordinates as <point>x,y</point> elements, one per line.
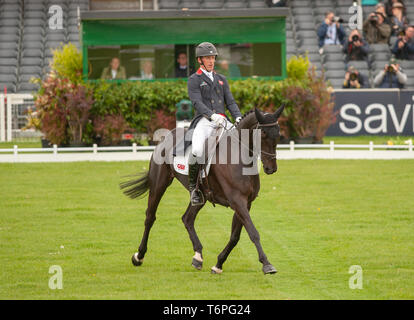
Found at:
<point>238,120</point>
<point>219,120</point>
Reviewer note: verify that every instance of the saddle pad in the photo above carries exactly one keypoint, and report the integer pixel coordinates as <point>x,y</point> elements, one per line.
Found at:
<point>181,163</point>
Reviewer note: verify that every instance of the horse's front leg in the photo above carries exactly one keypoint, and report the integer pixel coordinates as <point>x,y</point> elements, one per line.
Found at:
<point>188,219</point>
<point>241,207</point>
<point>236,228</point>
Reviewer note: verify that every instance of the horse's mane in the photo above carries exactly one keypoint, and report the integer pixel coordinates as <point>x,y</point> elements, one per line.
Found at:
<point>246,120</point>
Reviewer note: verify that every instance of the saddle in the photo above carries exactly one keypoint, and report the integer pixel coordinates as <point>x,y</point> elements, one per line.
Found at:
<point>180,162</point>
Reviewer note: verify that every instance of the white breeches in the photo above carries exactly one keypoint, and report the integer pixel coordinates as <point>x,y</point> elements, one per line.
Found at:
<point>204,129</point>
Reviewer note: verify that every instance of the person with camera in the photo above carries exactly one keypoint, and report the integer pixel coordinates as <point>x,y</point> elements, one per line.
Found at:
<point>388,6</point>
<point>399,20</point>
<point>353,79</point>
<point>331,30</point>
<point>355,47</point>
<point>376,30</point>
<point>391,76</point>
<point>403,48</point>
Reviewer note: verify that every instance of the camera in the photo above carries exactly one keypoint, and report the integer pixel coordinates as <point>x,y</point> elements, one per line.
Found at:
<point>401,33</point>
<point>337,19</point>
<point>355,38</point>
<point>353,76</point>
<point>374,18</point>
<point>390,69</point>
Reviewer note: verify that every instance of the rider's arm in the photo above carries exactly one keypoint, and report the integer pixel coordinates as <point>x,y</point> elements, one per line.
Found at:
<point>194,93</point>
<point>229,100</point>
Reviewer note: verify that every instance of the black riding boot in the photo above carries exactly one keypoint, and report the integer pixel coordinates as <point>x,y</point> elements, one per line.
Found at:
<point>193,170</point>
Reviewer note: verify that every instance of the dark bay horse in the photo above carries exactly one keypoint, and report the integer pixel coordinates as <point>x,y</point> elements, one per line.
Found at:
<point>229,187</point>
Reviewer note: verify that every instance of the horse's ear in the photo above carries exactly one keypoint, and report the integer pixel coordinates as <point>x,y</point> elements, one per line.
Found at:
<point>259,115</point>
<point>279,111</point>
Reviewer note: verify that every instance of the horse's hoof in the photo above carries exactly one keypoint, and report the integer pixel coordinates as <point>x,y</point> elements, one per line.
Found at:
<point>269,269</point>
<point>197,264</point>
<point>135,261</point>
<point>215,270</point>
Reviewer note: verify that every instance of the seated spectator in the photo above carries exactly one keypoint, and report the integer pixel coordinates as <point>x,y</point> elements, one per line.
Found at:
<point>354,80</point>
<point>182,70</point>
<point>376,30</point>
<point>115,71</point>
<point>331,31</point>
<point>229,70</point>
<point>276,3</point>
<point>399,20</point>
<point>391,77</point>
<point>146,70</point>
<point>355,47</point>
<point>404,46</point>
<point>390,3</point>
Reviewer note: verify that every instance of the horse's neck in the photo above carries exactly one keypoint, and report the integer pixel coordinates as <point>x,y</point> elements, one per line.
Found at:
<point>248,122</point>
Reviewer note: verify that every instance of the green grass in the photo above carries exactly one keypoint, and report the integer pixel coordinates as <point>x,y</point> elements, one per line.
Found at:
<point>315,218</point>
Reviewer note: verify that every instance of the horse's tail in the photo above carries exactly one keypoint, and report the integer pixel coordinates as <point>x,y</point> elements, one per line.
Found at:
<point>137,187</point>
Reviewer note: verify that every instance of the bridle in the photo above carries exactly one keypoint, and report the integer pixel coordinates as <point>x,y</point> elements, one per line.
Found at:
<point>259,125</point>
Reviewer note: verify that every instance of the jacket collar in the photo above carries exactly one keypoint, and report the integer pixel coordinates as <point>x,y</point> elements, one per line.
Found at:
<point>206,78</point>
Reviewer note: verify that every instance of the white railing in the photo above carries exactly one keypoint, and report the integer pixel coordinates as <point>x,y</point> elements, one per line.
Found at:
<point>134,148</point>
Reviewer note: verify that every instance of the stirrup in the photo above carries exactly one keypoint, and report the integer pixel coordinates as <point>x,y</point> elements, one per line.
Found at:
<point>200,195</point>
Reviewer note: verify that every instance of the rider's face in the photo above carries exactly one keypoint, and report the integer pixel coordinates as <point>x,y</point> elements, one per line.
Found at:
<point>208,62</point>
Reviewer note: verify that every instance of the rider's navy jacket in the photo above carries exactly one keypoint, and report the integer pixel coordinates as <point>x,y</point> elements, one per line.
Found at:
<point>210,97</point>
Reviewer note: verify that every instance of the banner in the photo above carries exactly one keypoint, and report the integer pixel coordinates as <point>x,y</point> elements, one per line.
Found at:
<point>373,112</point>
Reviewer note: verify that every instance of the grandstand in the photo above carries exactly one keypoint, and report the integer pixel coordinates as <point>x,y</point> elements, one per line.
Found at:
<point>26,40</point>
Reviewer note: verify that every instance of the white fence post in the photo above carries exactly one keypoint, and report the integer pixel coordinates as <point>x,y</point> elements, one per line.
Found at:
<point>55,149</point>
<point>9,118</point>
<point>134,147</point>
<point>292,145</point>
<point>332,146</point>
<point>2,119</point>
<point>410,145</point>
<point>95,148</point>
<point>15,150</point>
<point>371,146</point>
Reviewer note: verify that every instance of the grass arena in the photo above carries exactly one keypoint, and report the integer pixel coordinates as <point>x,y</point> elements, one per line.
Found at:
<point>316,218</point>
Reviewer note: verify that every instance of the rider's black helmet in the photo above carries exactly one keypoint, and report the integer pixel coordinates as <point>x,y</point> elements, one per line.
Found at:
<point>205,49</point>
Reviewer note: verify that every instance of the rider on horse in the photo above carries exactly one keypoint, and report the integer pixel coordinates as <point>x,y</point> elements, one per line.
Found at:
<point>210,94</point>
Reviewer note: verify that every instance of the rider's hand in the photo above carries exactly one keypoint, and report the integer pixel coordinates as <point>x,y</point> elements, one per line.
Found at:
<point>218,120</point>
<point>238,120</point>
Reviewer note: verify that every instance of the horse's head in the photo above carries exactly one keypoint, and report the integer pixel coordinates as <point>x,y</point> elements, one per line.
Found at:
<point>269,126</point>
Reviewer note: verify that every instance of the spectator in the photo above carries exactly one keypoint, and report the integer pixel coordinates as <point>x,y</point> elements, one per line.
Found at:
<point>390,3</point>
<point>355,47</point>
<point>331,31</point>
<point>182,70</point>
<point>380,8</point>
<point>354,80</point>
<point>404,46</point>
<point>399,20</point>
<point>229,70</point>
<point>146,70</point>
<point>391,77</point>
<point>115,71</point>
<point>376,30</point>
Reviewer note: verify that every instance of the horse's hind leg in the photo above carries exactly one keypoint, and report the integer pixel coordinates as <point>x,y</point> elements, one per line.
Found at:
<point>188,219</point>
<point>160,178</point>
<point>236,228</point>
